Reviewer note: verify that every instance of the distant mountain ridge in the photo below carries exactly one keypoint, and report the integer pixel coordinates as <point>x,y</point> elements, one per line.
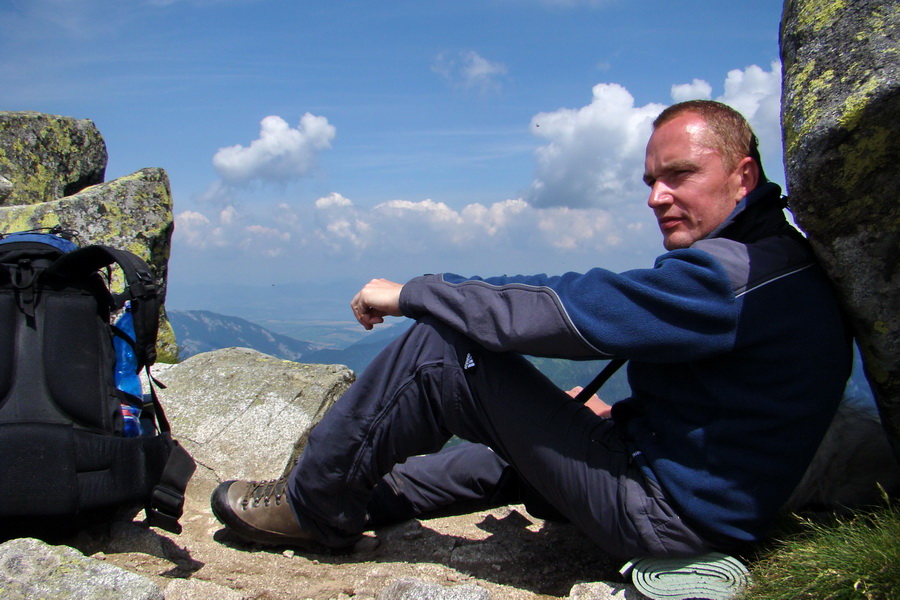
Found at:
<point>203,331</point>
<point>359,354</point>
<point>199,331</point>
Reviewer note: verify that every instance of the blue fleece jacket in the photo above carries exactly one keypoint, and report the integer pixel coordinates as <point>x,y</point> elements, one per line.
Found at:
<point>737,347</point>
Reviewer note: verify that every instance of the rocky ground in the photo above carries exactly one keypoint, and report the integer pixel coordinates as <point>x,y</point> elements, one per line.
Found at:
<point>238,413</point>
<point>505,551</point>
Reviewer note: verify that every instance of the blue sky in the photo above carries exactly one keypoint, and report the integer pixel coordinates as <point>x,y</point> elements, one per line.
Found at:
<point>344,140</point>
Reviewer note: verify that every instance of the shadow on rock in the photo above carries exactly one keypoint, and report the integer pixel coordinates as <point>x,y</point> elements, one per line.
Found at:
<point>124,535</point>
<point>504,547</point>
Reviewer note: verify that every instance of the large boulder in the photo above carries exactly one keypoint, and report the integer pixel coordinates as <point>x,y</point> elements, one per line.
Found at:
<point>54,167</point>
<point>45,157</point>
<point>852,467</point>
<point>841,121</point>
<point>245,415</point>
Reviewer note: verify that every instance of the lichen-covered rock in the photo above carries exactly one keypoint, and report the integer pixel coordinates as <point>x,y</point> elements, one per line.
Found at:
<point>243,414</point>
<point>6,188</point>
<point>133,213</point>
<point>841,120</point>
<point>46,157</point>
<point>416,589</point>
<point>31,569</point>
<point>602,590</point>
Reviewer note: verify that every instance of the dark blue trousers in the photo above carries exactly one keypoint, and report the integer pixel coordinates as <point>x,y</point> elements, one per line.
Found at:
<point>460,478</point>
<point>363,463</point>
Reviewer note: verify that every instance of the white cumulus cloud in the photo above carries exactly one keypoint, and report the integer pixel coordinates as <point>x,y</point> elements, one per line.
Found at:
<point>340,227</point>
<point>429,228</point>
<point>280,154</point>
<point>574,229</point>
<point>495,218</point>
<point>333,200</point>
<point>595,154</point>
<point>191,226</point>
<point>753,91</point>
<point>756,94</point>
<point>470,70</point>
<point>586,206</point>
<point>696,90</point>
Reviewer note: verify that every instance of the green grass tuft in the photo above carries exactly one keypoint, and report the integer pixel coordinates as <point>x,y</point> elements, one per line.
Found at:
<point>843,558</point>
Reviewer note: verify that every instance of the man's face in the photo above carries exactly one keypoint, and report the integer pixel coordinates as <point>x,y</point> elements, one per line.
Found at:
<point>690,191</point>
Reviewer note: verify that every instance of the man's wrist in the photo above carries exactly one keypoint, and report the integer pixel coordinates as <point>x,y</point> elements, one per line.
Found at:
<point>410,298</point>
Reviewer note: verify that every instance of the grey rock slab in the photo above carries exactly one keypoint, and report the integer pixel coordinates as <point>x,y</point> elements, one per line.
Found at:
<point>245,415</point>
<point>30,568</point>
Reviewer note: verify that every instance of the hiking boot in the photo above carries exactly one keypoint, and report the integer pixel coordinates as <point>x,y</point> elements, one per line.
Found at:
<point>258,511</point>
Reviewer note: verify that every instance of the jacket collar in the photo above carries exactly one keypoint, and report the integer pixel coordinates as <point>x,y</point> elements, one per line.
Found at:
<point>758,215</point>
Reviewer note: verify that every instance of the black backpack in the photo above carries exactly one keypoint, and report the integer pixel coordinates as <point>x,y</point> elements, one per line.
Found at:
<point>62,448</point>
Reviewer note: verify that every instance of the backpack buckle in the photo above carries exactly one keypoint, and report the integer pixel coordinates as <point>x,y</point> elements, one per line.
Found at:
<point>142,289</point>
<point>23,281</point>
<point>166,506</point>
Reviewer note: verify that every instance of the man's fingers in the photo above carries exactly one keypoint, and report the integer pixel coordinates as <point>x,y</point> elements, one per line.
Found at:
<point>376,300</point>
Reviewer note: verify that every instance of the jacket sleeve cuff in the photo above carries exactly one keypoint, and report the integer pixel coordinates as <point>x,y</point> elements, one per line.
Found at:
<point>412,296</point>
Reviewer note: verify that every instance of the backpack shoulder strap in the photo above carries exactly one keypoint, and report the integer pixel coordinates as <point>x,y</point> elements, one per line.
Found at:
<point>594,386</point>
<point>140,289</point>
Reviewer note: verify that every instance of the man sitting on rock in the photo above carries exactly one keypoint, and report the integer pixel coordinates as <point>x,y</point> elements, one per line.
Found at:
<point>737,353</point>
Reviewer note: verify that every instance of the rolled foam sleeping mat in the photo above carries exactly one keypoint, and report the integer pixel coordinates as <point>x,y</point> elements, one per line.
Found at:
<point>713,576</point>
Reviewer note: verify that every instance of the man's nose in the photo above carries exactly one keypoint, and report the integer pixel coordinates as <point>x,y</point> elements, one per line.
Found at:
<point>660,195</point>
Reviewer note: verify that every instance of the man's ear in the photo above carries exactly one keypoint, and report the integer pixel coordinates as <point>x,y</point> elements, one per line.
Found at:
<point>747,175</point>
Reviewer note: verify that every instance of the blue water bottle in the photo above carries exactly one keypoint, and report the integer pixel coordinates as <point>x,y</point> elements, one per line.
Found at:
<point>126,376</point>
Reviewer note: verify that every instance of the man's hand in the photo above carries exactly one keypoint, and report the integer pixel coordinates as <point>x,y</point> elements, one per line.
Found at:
<point>378,299</point>
<point>600,408</point>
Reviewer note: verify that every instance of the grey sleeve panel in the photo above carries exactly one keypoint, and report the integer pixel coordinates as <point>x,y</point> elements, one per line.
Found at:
<point>734,256</point>
<point>753,265</point>
<point>508,318</point>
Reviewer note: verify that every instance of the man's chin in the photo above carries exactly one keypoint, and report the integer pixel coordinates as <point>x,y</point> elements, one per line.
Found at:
<point>677,242</point>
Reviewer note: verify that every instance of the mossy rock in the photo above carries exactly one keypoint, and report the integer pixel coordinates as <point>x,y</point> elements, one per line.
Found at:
<point>841,121</point>
<point>45,157</point>
<point>132,213</point>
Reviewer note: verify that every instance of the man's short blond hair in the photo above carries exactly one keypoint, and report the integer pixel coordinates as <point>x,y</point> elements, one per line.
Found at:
<point>732,134</point>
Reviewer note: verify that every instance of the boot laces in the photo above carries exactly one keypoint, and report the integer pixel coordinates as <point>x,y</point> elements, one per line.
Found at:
<point>262,492</point>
